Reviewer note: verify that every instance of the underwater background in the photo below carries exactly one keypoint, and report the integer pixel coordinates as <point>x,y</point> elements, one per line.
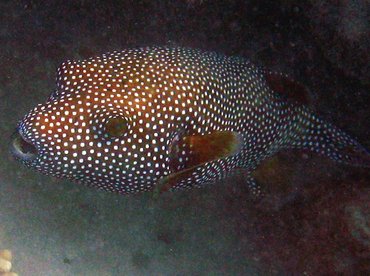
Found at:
<point>315,219</point>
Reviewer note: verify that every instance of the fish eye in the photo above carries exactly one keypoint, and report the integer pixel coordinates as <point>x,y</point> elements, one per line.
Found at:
<point>116,126</point>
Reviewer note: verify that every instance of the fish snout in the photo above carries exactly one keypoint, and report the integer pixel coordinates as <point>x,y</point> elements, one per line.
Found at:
<point>21,148</point>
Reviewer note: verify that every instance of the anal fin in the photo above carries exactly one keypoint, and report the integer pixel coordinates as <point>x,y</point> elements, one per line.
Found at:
<point>254,187</point>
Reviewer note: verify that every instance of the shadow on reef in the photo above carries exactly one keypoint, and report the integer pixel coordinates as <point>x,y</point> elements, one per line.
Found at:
<point>322,226</point>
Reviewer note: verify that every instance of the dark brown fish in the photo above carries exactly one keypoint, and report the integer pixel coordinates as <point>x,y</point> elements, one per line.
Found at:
<point>162,117</point>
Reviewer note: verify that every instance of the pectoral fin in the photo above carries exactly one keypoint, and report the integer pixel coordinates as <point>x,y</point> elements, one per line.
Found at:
<point>189,152</point>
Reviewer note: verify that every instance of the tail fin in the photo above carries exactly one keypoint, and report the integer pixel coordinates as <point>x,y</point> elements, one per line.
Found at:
<point>310,132</point>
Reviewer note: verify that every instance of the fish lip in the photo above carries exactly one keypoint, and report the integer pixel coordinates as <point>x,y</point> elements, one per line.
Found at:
<point>21,148</point>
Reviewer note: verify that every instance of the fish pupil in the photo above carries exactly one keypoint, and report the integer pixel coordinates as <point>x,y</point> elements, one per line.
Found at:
<point>116,127</point>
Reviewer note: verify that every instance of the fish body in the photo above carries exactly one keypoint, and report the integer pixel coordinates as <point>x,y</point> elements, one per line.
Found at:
<point>137,119</point>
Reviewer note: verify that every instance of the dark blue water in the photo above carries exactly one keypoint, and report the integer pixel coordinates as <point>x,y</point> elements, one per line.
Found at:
<point>315,216</point>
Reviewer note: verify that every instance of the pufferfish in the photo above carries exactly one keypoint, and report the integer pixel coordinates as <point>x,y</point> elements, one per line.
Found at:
<point>163,118</point>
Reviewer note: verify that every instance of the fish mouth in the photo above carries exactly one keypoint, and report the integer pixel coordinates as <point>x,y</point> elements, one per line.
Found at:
<point>21,148</point>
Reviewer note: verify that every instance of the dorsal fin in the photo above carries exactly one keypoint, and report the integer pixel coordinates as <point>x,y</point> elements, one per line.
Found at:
<point>288,88</point>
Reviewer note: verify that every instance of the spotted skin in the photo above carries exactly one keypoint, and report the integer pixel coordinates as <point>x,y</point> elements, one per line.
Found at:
<point>163,95</point>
